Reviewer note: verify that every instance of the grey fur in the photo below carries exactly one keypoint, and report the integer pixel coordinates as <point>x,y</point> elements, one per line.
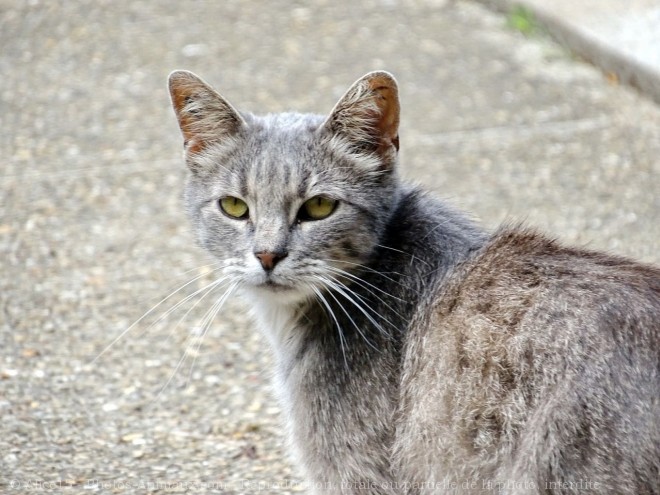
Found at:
<point>416,353</point>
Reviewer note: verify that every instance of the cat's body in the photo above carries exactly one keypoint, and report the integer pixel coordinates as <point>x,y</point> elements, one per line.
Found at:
<point>415,353</point>
<point>547,364</point>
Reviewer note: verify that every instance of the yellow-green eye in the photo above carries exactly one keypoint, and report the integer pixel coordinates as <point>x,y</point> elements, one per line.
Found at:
<point>234,207</point>
<point>317,208</point>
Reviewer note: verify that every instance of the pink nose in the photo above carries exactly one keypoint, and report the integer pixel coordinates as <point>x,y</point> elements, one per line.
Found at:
<point>269,259</point>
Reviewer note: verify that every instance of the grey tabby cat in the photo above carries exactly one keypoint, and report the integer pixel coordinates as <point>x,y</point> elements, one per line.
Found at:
<point>415,352</point>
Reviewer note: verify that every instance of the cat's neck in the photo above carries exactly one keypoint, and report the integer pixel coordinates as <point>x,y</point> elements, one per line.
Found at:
<point>425,239</point>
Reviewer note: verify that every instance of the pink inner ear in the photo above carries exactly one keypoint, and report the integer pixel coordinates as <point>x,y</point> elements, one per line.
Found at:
<point>387,123</point>
<point>181,94</point>
<point>368,114</point>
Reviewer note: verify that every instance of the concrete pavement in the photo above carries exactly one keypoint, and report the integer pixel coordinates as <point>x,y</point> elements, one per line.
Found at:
<point>623,38</point>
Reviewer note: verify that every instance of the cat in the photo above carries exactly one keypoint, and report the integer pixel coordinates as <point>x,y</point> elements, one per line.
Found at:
<point>415,352</point>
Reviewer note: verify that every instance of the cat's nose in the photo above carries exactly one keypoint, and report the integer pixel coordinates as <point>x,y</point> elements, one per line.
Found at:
<point>269,259</point>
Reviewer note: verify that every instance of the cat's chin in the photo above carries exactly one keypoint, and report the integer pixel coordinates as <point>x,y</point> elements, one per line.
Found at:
<point>275,287</point>
<point>276,293</point>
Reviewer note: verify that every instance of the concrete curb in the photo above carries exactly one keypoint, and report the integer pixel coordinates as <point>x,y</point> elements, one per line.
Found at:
<point>591,42</point>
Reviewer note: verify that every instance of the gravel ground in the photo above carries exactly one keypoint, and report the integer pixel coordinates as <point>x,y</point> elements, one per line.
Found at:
<point>92,232</point>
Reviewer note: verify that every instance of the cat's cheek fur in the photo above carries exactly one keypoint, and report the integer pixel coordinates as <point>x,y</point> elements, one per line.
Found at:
<point>221,237</point>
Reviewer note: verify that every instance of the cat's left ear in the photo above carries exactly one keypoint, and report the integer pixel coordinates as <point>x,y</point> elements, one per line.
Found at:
<point>205,117</point>
<point>367,116</point>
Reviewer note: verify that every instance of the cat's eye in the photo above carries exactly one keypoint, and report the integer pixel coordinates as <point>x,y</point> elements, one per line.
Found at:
<point>234,207</point>
<point>317,208</point>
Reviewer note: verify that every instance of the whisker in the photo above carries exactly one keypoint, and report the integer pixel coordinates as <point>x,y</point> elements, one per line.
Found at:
<point>167,313</point>
<point>342,339</point>
<point>412,256</point>
<point>376,272</point>
<point>367,268</point>
<point>153,308</point>
<point>358,281</point>
<point>180,362</point>
<point>436,227</point>
<point>357,327</point>
<point>347,292</point>
<point>182,359</point>
<point>207,320</point>
<point>217,264</point>
<point>210,287</point>
<point>364,284</point>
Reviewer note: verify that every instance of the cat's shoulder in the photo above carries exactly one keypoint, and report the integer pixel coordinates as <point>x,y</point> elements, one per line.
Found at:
<point>524,253</point>
<point>519,266</point>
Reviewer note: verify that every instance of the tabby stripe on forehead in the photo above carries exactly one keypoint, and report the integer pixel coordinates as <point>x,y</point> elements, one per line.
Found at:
<point>288,204</point>
<point>303,182</point>
<point>243,183</point>
<point>268,172</point>
<point>286,169</point>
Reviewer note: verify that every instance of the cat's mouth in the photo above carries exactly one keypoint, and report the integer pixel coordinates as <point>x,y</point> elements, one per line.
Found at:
<point>273,283</point>
<point>272,286</point>
<point>275,286</point>
<point>282,293</point>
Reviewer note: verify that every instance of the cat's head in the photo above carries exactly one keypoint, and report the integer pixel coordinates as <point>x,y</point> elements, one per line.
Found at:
<point>286,202</point>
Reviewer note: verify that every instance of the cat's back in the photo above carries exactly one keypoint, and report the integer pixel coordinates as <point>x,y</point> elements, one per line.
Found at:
<point>536,363</point>
<point>519,271</point>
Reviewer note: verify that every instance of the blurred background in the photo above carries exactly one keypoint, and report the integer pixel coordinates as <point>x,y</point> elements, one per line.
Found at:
<point>496,118</point>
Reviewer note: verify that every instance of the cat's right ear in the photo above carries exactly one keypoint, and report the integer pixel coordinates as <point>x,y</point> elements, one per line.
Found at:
<point>205,117</point>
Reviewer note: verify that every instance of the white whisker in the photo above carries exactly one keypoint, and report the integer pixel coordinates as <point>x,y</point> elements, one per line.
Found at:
<point>365,285</point>
<point>167,313</point>
<point>217,264</point>
<point>342,341</point>
<point>376,272</point>
<point>153,308</point>
<point>368,269</point>
<point>343,289</point>
<point>210,288</point>
<point>191,338</point>
<point>334,286</point>
<point>441,224</point>
<point>358,281</point>
<point>412,256</point>
<point>206,322</point>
